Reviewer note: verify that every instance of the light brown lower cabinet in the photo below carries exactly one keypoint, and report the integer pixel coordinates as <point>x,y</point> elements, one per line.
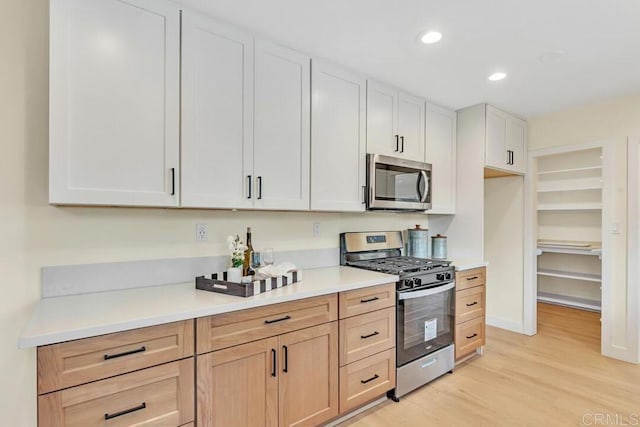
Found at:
<point>367,379</point>
<point>157,396</point>
<point>289,380</point>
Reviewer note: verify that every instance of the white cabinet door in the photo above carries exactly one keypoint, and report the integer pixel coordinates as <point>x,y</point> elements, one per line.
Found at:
<point>114,102</point>
<point>411,118</point>
<point>338,145</point>
<point>440,151</point>
<point>281,127</point>
<point>516,134</point>
<point>495,144</point>
<point>382,119</point>
<point>217,114</point>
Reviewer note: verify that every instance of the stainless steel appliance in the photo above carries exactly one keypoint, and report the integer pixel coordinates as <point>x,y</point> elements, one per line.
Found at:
<point>425,305</point>
<point>397,184</point>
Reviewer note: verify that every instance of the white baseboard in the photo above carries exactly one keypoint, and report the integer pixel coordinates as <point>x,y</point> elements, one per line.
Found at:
<point>501,323</point>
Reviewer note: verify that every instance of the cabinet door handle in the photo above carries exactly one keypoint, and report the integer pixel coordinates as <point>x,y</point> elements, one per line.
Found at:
<point>274,362</point>
<point>249,182</point>
<point>173,181</point>
<point>126,353</point>
<point>472,304</point>
<point>397,143</point>
<point>375,377</point>
<point>369,300</point>
<point>472,278</point>
<point>402,144</point>
<point>285,368</point>
<point>364,337</point>
<point>259,187</point>
<point>108,416</point>
<point>473,335</point>
<point>268,322</point>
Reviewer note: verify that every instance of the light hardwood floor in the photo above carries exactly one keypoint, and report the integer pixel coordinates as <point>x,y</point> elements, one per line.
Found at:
<point>556,378</point>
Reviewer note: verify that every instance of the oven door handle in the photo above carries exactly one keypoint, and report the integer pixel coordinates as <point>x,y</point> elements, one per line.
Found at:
<point>426,292</point>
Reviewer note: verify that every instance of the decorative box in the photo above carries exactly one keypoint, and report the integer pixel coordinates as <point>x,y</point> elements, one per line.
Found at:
<point>218,283</point>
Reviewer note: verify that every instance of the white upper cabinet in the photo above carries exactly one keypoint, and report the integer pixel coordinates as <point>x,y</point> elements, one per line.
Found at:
<point>440,151</point>
<point>395,122</point>
<point>505,141</point>
<point>114,102</point>
<point>338,144</point>
<point>382,119</point>
<point>411,117</point>
<point>217,114</point>
<point>281,127</point>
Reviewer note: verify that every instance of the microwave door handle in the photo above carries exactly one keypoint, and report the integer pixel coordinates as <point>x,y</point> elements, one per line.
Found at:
<point>423,176</point>
<point>426,292</point>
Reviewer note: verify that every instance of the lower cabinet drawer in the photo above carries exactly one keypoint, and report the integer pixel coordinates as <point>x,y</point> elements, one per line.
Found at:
<point>239,327</point>
<point>366,379</point>
<point>72,363</point>
<point>471,278</point>
<point>367,334</point>
<point>158,396</point>
<point>470,304</point>
<point>469,336</point>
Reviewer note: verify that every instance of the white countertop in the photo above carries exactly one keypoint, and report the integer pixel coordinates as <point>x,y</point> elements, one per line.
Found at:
<point>80,316</point>
<point>468,264</point>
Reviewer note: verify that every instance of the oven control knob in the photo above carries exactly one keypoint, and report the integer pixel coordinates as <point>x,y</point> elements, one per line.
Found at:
<point>417,282</point>
<point>440,276</point>
<point>447,276</point>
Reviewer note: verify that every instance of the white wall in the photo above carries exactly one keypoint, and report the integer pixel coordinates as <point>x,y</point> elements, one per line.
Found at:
<point>503,249</point>
<point>34,234</point>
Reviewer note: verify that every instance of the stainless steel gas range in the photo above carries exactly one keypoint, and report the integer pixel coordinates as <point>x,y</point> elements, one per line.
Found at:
<point>425,305</point>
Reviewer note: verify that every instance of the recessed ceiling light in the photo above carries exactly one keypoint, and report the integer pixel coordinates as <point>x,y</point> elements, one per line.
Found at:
<point>497,76</point>
<point>431,37</point>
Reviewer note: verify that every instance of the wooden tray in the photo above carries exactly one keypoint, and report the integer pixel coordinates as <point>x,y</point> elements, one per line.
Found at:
<point>246,289</point>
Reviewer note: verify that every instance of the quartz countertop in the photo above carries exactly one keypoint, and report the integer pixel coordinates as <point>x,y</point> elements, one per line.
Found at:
<point>81,316</point>
<point>468,264</point>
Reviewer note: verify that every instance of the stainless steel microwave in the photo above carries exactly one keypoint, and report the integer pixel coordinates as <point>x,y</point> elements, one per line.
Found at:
<point>397,184</point>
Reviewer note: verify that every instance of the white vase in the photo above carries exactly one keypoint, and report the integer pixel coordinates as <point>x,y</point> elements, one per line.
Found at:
<point>234,274</point>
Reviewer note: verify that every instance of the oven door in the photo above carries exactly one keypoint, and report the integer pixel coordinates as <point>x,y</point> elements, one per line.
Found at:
<point>398,184</point>
<point>425,321</point>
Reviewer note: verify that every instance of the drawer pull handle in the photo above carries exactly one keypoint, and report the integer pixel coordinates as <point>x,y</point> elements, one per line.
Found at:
<point>369,300</point>
<point>473,335</point>
<point>140,407</point>
<point>126,353</point>
<point>472,278</point>
<point>364,337</point>
<point>282,319</point>
<point>429,363</point>
<point>375,377</point>
<point>472,304</point>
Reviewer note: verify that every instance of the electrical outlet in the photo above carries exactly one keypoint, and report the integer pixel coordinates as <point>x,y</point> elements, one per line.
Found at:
<point>316,229</point>
<point>202,233</point>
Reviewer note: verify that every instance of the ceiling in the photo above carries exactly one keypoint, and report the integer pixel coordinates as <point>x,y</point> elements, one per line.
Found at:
<point>600,40</point>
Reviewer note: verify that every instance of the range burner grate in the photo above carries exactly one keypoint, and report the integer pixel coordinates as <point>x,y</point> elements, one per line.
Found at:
<point>400,265</point>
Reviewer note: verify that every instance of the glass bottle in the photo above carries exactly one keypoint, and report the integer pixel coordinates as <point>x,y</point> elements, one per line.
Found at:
<point>246,265</point>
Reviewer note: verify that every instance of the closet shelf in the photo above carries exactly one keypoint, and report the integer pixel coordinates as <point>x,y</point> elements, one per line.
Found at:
<point>570,275</point>
<point>570,170</point>
<point>569,207</point>
<point>579,184</point>
<point>572,248</point>
<point>569,301</point>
